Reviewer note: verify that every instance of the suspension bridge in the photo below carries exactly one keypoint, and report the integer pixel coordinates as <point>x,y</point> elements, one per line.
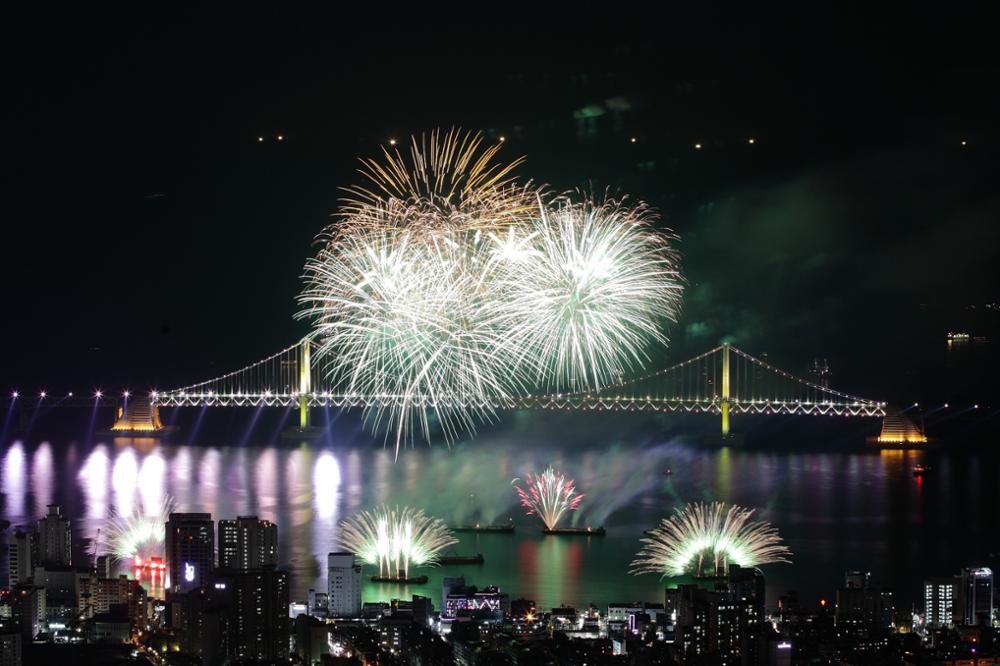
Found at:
<point>725,381</point>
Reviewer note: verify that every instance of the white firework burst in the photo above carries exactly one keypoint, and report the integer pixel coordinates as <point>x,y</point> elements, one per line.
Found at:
<point>705,539</point>
<point>447,289</point>
<point>395,539</point>
<point>139,534</point>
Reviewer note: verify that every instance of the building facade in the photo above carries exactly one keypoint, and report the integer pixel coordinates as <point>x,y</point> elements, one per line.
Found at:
<point>247,543</point>
<point>343,585</point>
<point>55,539</point>
<point>190,550</point>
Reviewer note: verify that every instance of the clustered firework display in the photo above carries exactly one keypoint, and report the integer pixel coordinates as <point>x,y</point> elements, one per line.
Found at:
<point>447,288</point>
<point>548,495</point>
<point>394,539</point>
<point>704,539</point>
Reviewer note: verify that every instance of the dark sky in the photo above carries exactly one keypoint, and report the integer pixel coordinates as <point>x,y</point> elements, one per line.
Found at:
<point>149,239</point>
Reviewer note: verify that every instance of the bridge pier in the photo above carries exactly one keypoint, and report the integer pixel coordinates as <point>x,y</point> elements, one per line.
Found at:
<point>725,389</point>
<point>305,385</point>
<point>305,430</point>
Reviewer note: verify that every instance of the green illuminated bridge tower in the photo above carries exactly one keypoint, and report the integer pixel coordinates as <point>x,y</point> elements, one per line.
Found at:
<point>725,381</point>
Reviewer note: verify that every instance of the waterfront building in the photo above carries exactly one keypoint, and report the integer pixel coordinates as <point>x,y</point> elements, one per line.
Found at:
<point>343,585</point>
<point>257,601</point>
<point>458,599</point>
<point>21,555</point>
<point>721,618</point>
<point>247,543</point>
<point>10,647</point>
<point>27,602</point>
<point>317,603</point>
<point>55,539</point>
<point>976,596</point>
<point>107,594</point>
<point>940,602</point>
<point>190,550</point>
<point>863,608</point>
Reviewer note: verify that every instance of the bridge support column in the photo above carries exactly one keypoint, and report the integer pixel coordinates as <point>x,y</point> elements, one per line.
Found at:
<point>305,384</point>
<point>725,390</point>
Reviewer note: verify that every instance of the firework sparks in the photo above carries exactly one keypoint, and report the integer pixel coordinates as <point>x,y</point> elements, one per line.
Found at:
<point>139,534</point>
<point>548,495</point>
<point>712,536</point>
<point>395,539</point>
<point>446,288</point>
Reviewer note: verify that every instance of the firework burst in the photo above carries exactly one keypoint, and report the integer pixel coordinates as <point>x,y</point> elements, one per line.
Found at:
<point>446,288</point>
<point>395,539</point>
<point>705,539</point>
<point>548,495</point>
<point>139,534</point>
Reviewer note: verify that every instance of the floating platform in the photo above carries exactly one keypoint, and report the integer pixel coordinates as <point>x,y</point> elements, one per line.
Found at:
<point>577,531</point>
<point>509,527</point>
<point>303,434</point>
<point>137,417</point>
<point>412,580</point>
<point>462,559</point>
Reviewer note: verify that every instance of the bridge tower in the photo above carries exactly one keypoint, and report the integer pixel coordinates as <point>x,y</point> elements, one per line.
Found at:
<point>305,384</point>
<point>725,389</point>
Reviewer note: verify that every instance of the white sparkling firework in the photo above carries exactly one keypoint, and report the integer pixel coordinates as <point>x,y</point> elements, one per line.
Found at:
<point>704,539</point>
<point>447,289</point>
<point>395,539</point>
<point>139,534</point>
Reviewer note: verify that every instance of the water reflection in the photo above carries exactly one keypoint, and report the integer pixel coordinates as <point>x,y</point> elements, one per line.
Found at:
<point>41,477</point>
<point>93,478</point>
<point>124,479</point>
<point>14,481</point>
<point>836,511</point>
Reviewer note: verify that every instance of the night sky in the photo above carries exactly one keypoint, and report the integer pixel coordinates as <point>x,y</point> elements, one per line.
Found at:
<point>149,239</point>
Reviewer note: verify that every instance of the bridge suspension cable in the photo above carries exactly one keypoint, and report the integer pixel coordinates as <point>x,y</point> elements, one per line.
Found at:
<point>724,380</point>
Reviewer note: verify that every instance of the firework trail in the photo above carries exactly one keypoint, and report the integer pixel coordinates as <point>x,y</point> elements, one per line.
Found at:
<point>446,289</point>
<point>711,535</point>
<point>548,495</point>
<point>395,539</point>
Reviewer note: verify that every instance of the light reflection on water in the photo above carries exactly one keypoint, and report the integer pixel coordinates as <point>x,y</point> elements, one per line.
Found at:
<point>836,510</point>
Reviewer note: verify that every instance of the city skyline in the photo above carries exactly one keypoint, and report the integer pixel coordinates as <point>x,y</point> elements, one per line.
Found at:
<point>554,336</point>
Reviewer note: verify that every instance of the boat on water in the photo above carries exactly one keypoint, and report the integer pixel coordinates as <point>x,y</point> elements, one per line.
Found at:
<point>579,531</point>
<point>412,580</point>
<point>920,470</point>
<point>477,527</point>
<point>462,559</point>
